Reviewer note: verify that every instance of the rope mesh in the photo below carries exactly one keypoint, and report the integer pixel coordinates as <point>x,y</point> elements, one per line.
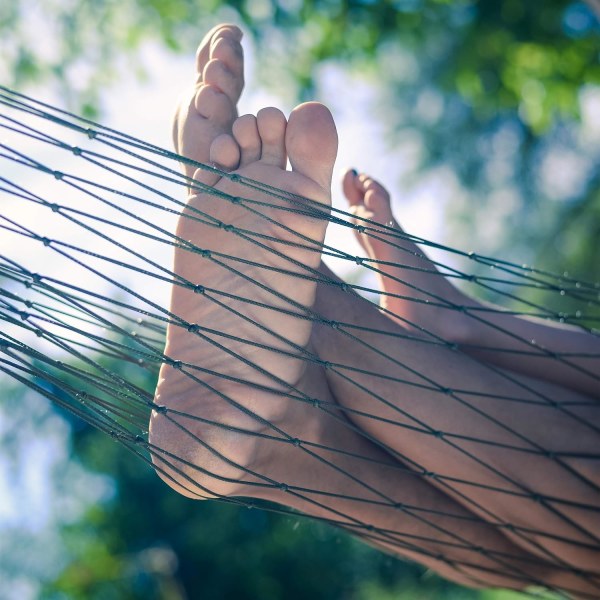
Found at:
<point>102,298</point>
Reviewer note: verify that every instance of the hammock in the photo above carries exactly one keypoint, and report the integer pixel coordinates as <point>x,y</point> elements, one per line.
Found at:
<point>85,275</point>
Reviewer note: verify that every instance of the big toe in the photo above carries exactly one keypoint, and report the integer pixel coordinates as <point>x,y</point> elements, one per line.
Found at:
<point>352,188</point>
<point>311,142</point>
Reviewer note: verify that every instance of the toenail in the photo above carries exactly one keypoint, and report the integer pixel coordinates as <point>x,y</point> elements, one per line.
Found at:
<point>354,172</point>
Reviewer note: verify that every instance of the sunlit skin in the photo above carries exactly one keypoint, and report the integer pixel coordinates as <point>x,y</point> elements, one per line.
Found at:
<point>412,276</point>
<point>572,430</point>
<point>254,456</point>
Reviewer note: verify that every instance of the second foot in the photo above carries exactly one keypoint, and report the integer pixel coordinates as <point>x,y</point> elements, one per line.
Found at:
<point>414,292</point>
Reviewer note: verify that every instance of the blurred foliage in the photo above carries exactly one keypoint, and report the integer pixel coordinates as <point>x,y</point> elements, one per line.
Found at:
<point>497,55</point>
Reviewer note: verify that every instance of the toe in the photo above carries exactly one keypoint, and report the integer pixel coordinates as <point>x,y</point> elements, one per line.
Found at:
<point>350,186</point>
<point>370,184</point>
<point>231,56</point>
<point>377,200</point>
<point>211,103</point>
<point>225,153</point>
<point>204,49</point>
<point>218,75</point>
<point>311,142</point>
<point>205,177</point>
<point>271,125</point>
<point>199,121</point>
<point>245,132</point>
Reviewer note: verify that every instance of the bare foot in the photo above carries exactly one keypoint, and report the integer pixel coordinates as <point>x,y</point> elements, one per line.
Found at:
<point>415,292</point>
<point>224,430</point>
<point>242,292</point>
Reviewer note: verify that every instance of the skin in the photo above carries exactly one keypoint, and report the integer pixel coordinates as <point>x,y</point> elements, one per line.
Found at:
<point>406,274</point>
<point>250,427</point>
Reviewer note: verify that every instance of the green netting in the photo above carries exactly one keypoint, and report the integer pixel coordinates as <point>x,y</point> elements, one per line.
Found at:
<point>85,273</point>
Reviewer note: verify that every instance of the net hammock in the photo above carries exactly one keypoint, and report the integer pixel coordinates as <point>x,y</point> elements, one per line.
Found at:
<point>85,279</point>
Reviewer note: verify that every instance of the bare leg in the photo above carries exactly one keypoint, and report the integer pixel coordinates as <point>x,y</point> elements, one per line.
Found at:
<point>228,428</point>
<point>446,414</point>
<point>486,335</point>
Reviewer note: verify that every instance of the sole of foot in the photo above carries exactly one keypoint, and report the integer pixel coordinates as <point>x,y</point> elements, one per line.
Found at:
<point>236,346</point>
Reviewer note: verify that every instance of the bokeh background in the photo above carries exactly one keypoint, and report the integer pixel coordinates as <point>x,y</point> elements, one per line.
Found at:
<point>481,116</point>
